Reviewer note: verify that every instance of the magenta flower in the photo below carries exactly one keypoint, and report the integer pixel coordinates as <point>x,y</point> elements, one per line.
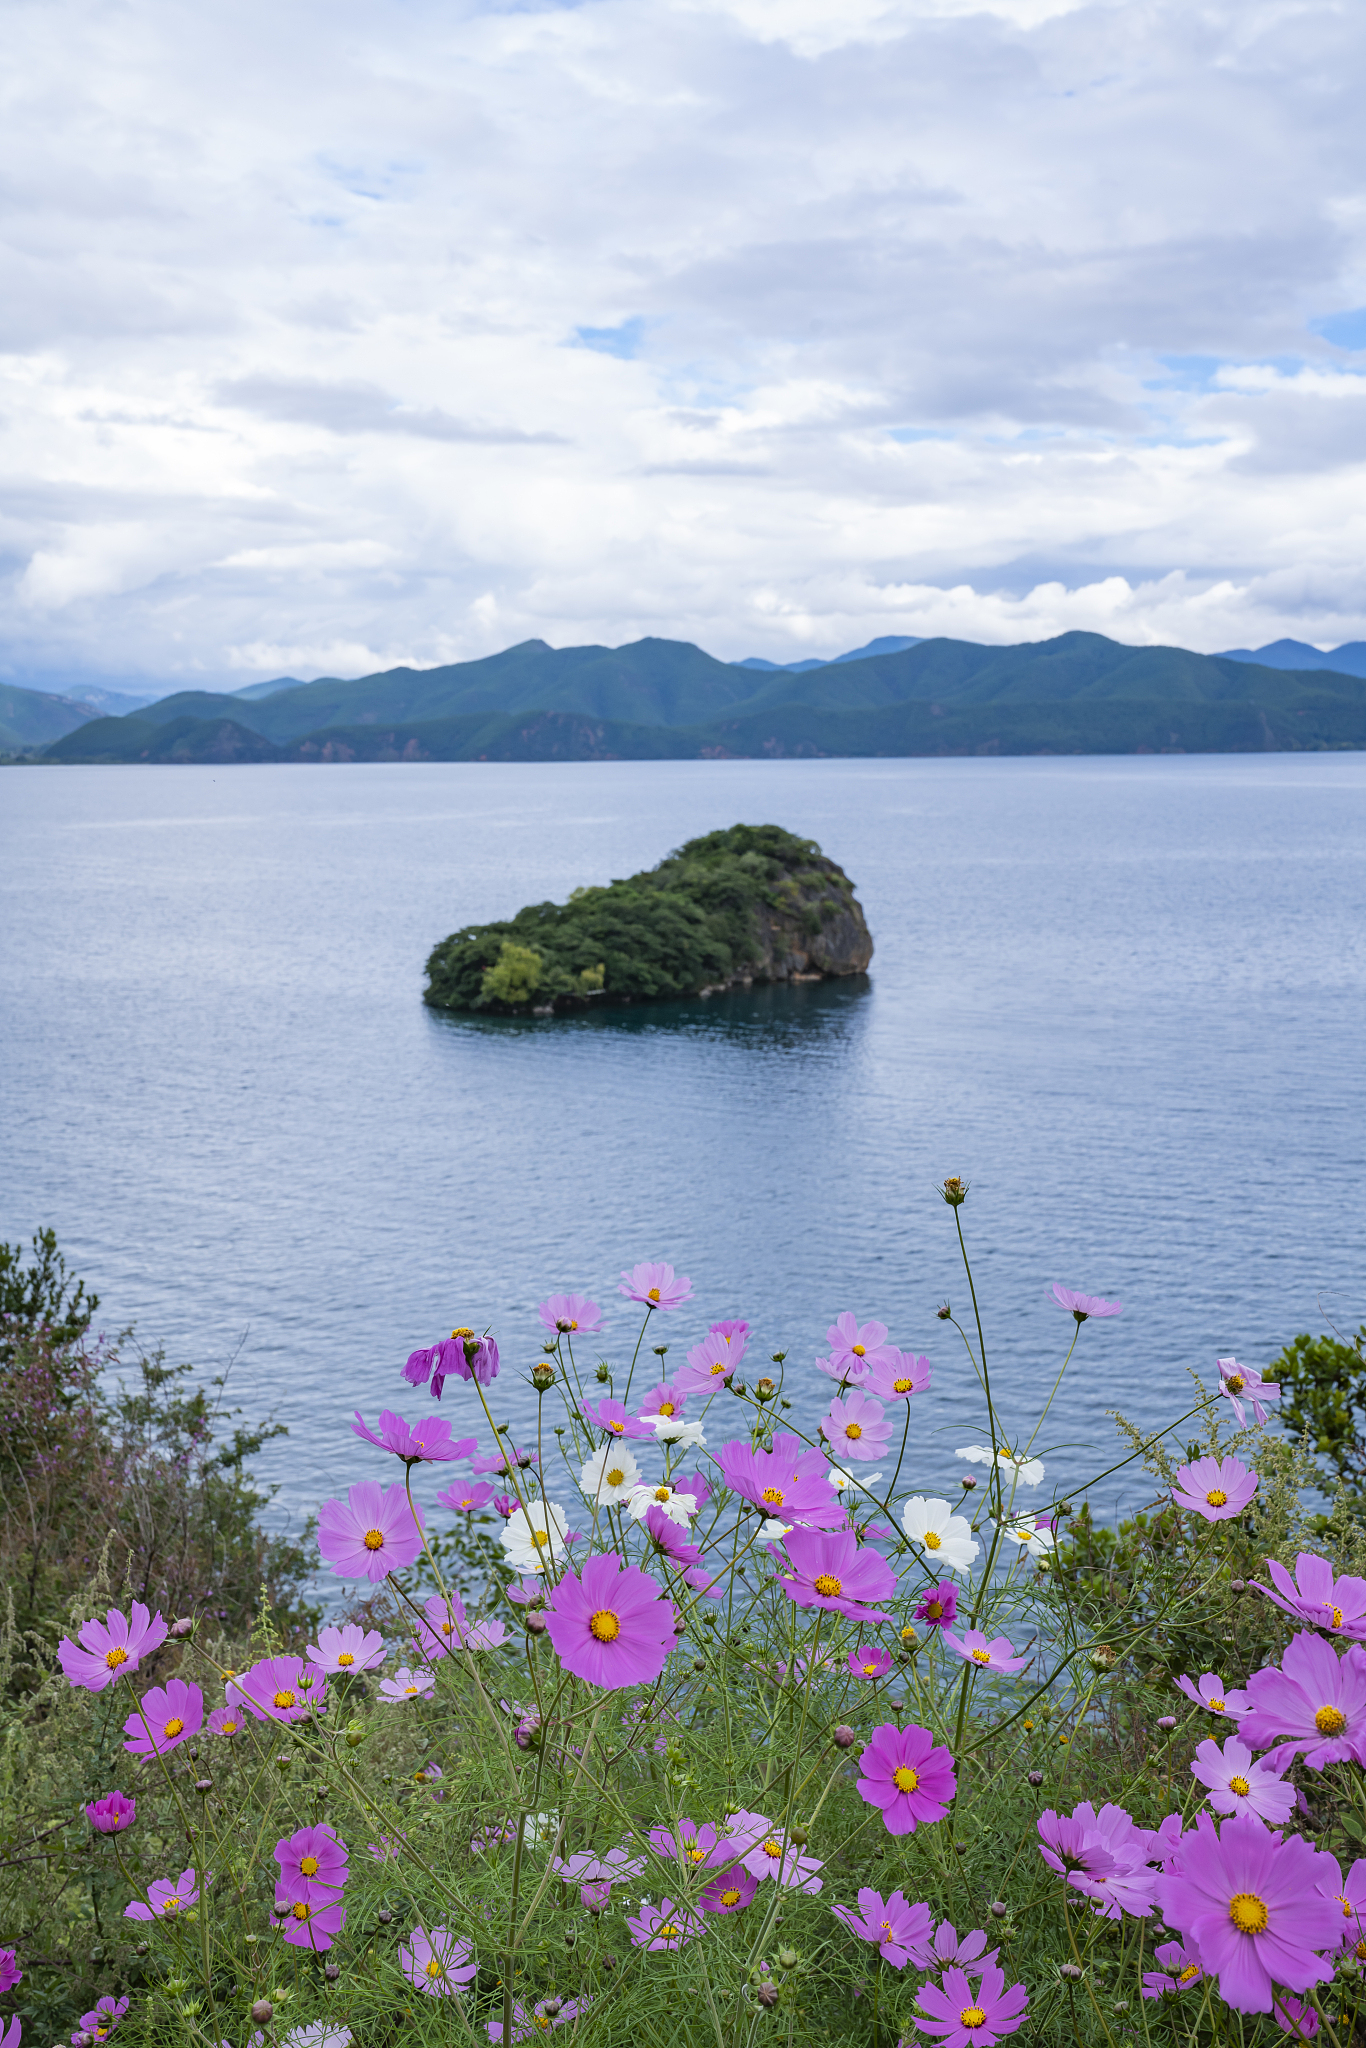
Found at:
<point>831,1571</point>
<point>772,1855</point>
<point>467,1500</point>
<point>448,1627</point>
<point>899,1932</point>
<point>964,2018</point>
<point>102,2021</point>
<point>668,1399</point>
<point>10,1973</point>
<point>595,1875</point>
<point>730,1891</point>
<point>111,1815</point>
<point>347,1650</point>
<point>10,2035</point>
<point>226,1721</point>
<point>437,1963</point>
<point>526,1592</point>
<point>1251,1905</point>
<point>711,1363</point>
<point>313,1864</point>
<point>408,1685</point>
<point>462,1355</point>
<point>543,2016</point>
<point>1217,1488</point>
<point>665,1925</point>
<point>947,1947</point>
<point>505,1458</point>
<point>1180,1968</point>
<point>996,1656</point>
<point>1315,1596</point>
<point>165,1898</point>
<point>308,1923</point>
<point>903,1773</point>
<point>1084,1305</point>
<point>855,1348</point>
<point>733,1327</point>
<point>1239,1383</point>
<point>110,1649</point>
<point>1238,1785</point>
<point>166,1716</point>
<point>611,1626</point>
<point>1293,2016</point>
<point>571,1315</point>
<point>427,1441</point>
<point>1214,1695</point>
<point>1102,1855</point>
<point>387,1849</point>
<point>670,1542</point>
<point>869,1662</point>
<point>856,1426</point>
<point>787,1483</point>
<point>897,1378</point>
<point>611,1417</point>
<point>1315,1704</point>
<point>1073,1849</point>
<point>372,1533</point>
<point>940,1605</point>
<point>691,1846</point>
<point>504,1505</point>
<point>656,1285</point>
<point>281,1689</point>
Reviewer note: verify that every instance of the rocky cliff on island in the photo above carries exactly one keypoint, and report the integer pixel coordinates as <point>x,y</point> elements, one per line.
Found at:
<point>749,904</point>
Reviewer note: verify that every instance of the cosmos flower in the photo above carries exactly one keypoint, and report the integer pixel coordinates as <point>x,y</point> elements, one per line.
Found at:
<point>428,1441</point>
<point>1216,1488</point>
<point>611,1626</point>
<point>571,1315</point>
<point>281,1689</point>
<point>610,1476</point>
<point>729,1892</point>
<point>899,1931</point>
<point>1350,1893</point>
<point>995,1656</point>
<point>939,1606</point>
<point>1084,1305</point>
<point>855,1426</point>
<point>1073,1849</point>
<point>772,1855</point>
<point>1103,1855</point>
<point>101,2022</point>
<point>10,2035</point>
<point>467,1500</point>
<point>408,1685</point>
<point>669,1542</point>
<point>611,1417</point>
<point>680,1507</point>
<point>869,1662</point>
<point>964,2018</point>
<point>897,1378</point>
<point>437,1963</point>
<point>1315,1705</point>
<point>10,1975</point>
<point>667,1400</point>
<point>1238,1785</point>
<point>533,1537</point>
<point>110,1815</point>
<point>855,1348</point>
<point>596,1875</point>
<point>948,1947</point>
<point>1034,1533</point>
<point>1180,1968</point>
<point>676,1430</point>
<point>546,2014</point>
<point>946,1538</point>
<point>711,1363</point>
<point>1293,2016</point>
<point>166,1897</point>
<point>166,1716</point>
<point>1239,1383</point>
<point>371,1533</point>
<point>313,1864</point>
<point>833,1572</point>
<point>787,1483</point>
<point>903,1774</point>
<point>1025,1471</point>
<point>347,1650</point>
<point>305,1923</point>
<point>227,1720</point>
<point>110,1649</point>
<point>1315,1596</point>
<point>656,1285</point>
<point>462,1355</point>
<point>387,1849</point>
<point>1214,1695</point>
<point>1249,1902</point>
<point>665,1925</point>
<point>446,1627</point>
<point>505,1458</point>
<point>690,1846</point>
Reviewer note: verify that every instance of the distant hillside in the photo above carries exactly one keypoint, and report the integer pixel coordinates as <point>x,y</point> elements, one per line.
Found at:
<point>890,643</point>
<point>34,718</point>
<point>1347,660</point>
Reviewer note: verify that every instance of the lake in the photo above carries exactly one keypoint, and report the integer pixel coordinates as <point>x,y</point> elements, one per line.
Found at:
<point>1122,997</point>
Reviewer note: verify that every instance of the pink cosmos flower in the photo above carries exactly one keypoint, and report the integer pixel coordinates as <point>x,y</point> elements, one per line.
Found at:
<point>306,1923</point>
<point>1293,2016</point>
<point>612,1419</point>
<point>543,2016</point>
<point>462,1355</point>
<point>940,1605</point>
<point>1315,1596</point>
<point>226,1721</point>
<point>110,1815</point>
<point>855,1348</point>
<point>1084,1305</point>
<point>665,1925</point>
<point>668,1399</point>
<point>1250,1903</point>
<point>997,1656</point>
<point>505,1506</point>
<point>313,1864</point>
<point>730,1891</point>
<point>897,1378</point>
<point>1180,1968</point>
<point>1073,1849</point>
<point>102,2021</point>
<point>526,1592</point>
<point>467,1500</point>
<point>903,1774</point>
<point>166,1897</point>
<point>711,1363</point>
<point>347,1650</point>
<point>110,1649</point>
<point>691,1846</point>
<point>947,1947</point>
<point>670,1542</point>
<point>1214,1695</point>
<point>447,1627</point>
<point>372,1533</point>
<point>1239,1383</point>
<point>408,1685</point>
<point>595,1875</point>
<point>387,1849</point>
<point>1238,1785</point>
<point>427,1441</point>
<point>611,1626</point>
<point>281,1689</point>
<point>656,1285</point>
<point>964,2018</point>
<point>787,1483</point>
<point>437,1963</point>
<point>10,2035</point>
<point>1104,1856</point>
<point>1350,1893</point>
<point>505,1458</point>
<point>1314,1705</point>
<point>1217,1488</point>
<point>166,1716</point>
<point>571,1315</point>
<point>831,1571</point>
<point>856,1426</point>
<point>10,1974</point>
<point>733,1327</point>
<point>772,1855</point>
<point>869,1661</point>
<point>898,1931</point>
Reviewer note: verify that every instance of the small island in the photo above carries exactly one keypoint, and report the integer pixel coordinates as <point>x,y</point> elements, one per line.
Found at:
<point>749,904</point>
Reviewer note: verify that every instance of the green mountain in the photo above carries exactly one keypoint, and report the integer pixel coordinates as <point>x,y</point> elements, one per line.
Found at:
<point>33,718</point>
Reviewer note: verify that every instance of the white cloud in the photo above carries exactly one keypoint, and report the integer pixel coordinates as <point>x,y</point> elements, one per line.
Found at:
<point>772,324</point>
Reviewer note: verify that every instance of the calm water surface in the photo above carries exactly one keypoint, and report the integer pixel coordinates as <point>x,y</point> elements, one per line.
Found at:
<point>1123,997</point>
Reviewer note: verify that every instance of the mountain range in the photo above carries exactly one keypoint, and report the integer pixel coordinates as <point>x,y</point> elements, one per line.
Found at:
<point>1077,693</point>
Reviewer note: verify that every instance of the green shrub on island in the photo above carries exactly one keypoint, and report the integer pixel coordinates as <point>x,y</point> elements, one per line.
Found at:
<point>752,903</point>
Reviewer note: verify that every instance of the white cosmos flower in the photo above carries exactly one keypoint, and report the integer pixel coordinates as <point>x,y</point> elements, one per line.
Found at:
<point>1029,1471</point>
<point>945,1538</point>
<point>679,1507</point>
<point>842,1480</point>
<point>1038,1541</point>
<point>610,1475</point>
<point>538,1828</point>
<point>533,1537</point>
<point>774,1531</point>
<point>675,1429</point>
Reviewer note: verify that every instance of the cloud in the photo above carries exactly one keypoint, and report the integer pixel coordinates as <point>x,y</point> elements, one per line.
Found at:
<point>355,408</point>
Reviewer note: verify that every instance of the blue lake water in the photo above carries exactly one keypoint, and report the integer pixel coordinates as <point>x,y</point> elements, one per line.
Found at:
<point>1123,997</point>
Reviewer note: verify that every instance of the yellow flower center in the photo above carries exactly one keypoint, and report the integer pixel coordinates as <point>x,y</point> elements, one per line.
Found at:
<point>731,1897</point>
<point>605,1625</point>
<point>1189,1974</point>
<point>933,1540</point>
<point>773,1496</point>
<point>1216,1497</point>
<point>617,1428</point>
<point>853,1430</point>
<point>902,1386</point>
<point>905,1779</point>
<point>374,1539</point>
<point>981,1656</point>
<point>664,1493</point>
<point>345,1657</point>
<point>1248,1913</point>
<point>1216,1706</point>
<point>827,1585</point>
<point>230,1727</point>
<point>972,2016</point>
<point>697,1855</point>
<point>1360,1951</point>
<point>301,1911</point>
<point>1236,1384</point>
<point>617,1476</point>
<point>284,1699</point>
<point>540,1537</point>
<point>433,1968</point>
<point>668,1932</point>
<point>172,1905</point>
<point>859,1350</point>
<point>175,1726</point>
<point>1330,1720</point>
<point>653,1294</point>
<point>666,1408</point>
<point>308,1865</point>
<point>772,1848</point>
<point>116,1656</point>
<point>463,1331</point>
<point>1240,1786</point>
<point>1337,1617</point>
<point>870,1670</point>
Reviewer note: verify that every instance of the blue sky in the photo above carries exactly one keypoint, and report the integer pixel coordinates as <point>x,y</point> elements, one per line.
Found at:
<point>332,337</point>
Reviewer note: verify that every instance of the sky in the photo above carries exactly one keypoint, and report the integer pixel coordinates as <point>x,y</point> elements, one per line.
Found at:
<point>333,337</point>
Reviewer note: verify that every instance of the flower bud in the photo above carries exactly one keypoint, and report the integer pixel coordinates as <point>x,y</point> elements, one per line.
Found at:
<point>1166,1720</point>
<point>765,1388</point>
<point>355,1735</point>
<point>969,1483</point>
<point>569,1937</point>
<point>543,1376</point>
<point>1237,1585</point>
<point>203,1785</point>
<point>1072,1972</point>
<point>1036,1777</point>
<point>998,1909</point>
<point>384,1916</point>
<point>141,1948</point>
<point>787,1958</point>
<point>263,2012</point>
<point>954,1191</point>
<point>659,1350</point>
<point>1103,1657</point>
<point>944,1312</point>
<point>183,1627</point>
<point>843,1737</point>
<point>799,1835</point>
<point>767,1995</point>
<point>82,2039</point>
<point>331,1971</point>
<point>604,1375</point>
<point>737,1386</point>
<point>535,1623</point>
<point>284,1760</point>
